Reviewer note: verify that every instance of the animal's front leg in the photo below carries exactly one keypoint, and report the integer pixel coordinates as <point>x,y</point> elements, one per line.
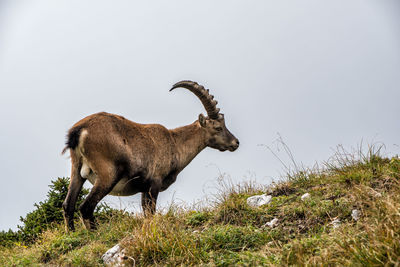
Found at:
<point>149,200</point>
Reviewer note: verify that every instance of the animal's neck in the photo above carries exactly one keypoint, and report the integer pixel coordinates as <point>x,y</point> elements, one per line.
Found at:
<point>190,140</point>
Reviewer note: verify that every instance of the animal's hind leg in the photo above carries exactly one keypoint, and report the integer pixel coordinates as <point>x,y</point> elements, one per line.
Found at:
<point>105,181</point>
<point>74,188</point>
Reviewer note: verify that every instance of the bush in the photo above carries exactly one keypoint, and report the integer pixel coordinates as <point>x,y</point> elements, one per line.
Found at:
<point>9,238</point>
<point>48,211</point>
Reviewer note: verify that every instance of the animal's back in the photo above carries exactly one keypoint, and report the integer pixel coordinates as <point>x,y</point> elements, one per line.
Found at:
<point>100,127</point>
<point>144,150</point>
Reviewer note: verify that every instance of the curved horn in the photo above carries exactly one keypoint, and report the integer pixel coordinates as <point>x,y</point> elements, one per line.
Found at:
<point>206,99</point>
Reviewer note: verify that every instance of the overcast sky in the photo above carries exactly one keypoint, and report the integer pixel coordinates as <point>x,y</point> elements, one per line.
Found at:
<point>320,73</point>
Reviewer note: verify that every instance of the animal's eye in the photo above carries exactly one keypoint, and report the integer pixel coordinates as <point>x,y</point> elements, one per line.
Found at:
<point>218,129</point>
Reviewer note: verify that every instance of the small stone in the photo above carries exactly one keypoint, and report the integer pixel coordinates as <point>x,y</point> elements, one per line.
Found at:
<point>114,256</point>
<point>335,223</point>
<point>259,200</point>
<point>355,214</point>
<point>272,223</point>
<point>305,196</point>
<point>108,257</point>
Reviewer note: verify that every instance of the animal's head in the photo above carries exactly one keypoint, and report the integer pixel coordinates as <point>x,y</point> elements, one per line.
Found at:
<point>217,135</point>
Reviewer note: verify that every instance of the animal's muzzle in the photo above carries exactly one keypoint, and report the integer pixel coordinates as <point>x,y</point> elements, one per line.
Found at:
<point>234,145</point>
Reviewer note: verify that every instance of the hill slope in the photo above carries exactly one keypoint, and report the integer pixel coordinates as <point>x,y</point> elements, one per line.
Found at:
<point>230,232</point>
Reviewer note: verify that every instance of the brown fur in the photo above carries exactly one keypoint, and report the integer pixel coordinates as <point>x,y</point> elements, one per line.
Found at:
<point>122,157</point>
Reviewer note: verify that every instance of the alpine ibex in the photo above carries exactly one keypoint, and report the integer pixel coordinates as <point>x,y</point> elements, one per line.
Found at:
<point>121,157</point>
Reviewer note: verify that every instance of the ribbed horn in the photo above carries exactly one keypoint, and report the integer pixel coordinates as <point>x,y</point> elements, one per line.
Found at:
<point>206,99</point>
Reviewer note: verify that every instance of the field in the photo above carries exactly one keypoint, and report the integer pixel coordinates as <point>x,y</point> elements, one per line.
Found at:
<point>229,232</point>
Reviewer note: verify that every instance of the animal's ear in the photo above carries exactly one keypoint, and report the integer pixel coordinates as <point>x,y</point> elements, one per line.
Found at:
<point>202,120</point>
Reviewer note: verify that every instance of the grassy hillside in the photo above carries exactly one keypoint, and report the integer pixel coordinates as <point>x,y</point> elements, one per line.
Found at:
<point>229,232</point>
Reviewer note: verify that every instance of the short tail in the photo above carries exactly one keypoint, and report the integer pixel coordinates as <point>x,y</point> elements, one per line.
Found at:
<point>72,139</point>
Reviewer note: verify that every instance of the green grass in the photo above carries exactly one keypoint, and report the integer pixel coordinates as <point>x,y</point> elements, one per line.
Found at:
<point>228,232</point>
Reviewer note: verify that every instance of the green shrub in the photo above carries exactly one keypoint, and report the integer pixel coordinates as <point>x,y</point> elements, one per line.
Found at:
<point>48,211</point>
<point>9,238</point>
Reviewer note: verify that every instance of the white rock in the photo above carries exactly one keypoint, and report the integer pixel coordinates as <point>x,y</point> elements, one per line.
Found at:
<point>272,223</point>
<point>259,200</point>
<point>355,214</point>
<point>114,256</point>
<point>305,196</point>
<point>335,223</point>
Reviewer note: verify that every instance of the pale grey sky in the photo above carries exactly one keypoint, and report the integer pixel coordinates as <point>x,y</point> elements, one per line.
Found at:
<point>320,73</point>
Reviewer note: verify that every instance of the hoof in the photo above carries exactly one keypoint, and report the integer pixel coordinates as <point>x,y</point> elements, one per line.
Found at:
<point>89,224</point>
<point>69,226</point>
<point>69,229</point>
